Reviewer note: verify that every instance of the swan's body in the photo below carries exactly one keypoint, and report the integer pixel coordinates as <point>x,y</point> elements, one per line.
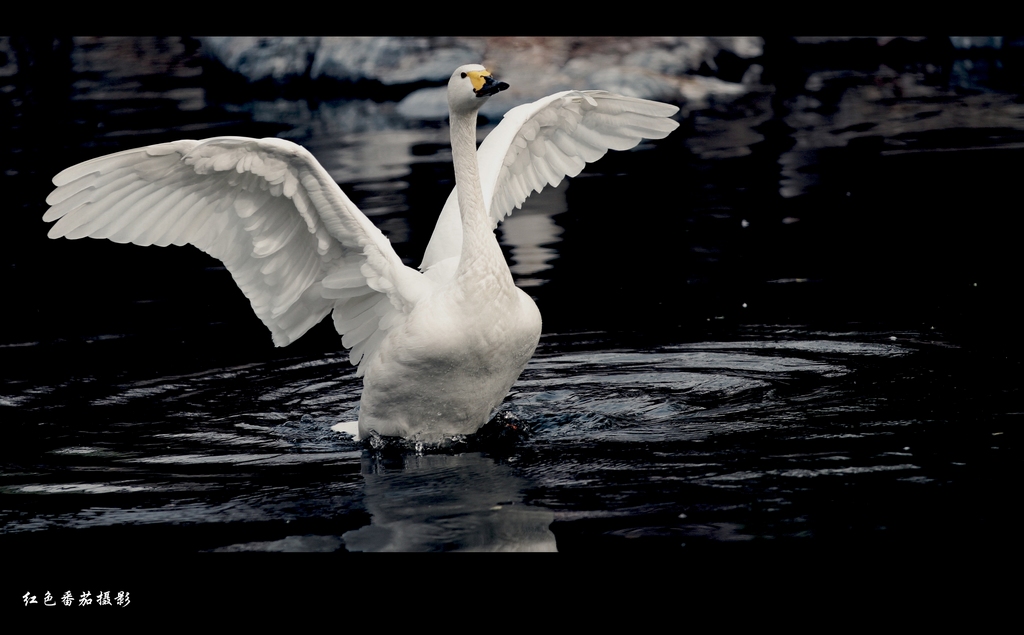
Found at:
<point>438,348</point>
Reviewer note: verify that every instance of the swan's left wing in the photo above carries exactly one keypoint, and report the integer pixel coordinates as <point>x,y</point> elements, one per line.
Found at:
<point>541,143</point>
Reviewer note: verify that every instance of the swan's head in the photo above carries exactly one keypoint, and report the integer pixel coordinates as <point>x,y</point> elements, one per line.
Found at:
<point>470,86</point>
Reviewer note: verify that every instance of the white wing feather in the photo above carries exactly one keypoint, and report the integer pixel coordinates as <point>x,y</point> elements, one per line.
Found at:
<point>539,144</point>
<point>294,243</point>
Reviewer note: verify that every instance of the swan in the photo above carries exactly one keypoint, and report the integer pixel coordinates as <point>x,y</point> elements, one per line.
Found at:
<point>438,347</point>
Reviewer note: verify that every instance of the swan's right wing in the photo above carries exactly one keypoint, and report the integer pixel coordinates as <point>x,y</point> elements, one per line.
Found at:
<point>541,143</point>
<point>293,242</point>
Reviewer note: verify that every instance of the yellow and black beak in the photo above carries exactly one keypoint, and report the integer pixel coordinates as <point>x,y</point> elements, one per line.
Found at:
<point>484,85</point>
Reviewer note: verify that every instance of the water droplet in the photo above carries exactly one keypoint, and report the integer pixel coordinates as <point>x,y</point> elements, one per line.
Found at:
<point>376,441</point>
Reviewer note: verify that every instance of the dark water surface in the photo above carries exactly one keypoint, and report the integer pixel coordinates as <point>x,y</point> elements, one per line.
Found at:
<point>791,323</point>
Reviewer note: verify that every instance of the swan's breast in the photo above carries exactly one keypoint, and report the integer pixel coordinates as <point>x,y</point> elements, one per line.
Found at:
<point>449,366</point>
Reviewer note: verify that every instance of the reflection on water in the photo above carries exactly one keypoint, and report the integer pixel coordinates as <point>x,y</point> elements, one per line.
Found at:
<point>533,235</point>
<point>464,502</point>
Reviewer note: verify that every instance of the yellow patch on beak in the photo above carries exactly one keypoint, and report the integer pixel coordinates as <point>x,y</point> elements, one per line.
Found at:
<point>477,77</point>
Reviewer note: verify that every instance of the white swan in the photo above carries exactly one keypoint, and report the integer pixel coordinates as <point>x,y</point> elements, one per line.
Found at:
<point>438,348</point>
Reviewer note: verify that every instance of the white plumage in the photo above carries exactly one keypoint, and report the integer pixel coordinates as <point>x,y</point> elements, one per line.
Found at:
<point>438,348</point>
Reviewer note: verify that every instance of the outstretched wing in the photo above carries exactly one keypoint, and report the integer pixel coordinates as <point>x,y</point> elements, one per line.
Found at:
<point>541,143</point>
<point>294,243</point>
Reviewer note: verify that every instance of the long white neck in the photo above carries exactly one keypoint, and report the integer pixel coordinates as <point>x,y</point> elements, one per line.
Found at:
<point>481,261</point>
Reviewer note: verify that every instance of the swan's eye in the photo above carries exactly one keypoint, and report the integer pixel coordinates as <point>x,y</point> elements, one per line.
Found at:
<point>463,76</point>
